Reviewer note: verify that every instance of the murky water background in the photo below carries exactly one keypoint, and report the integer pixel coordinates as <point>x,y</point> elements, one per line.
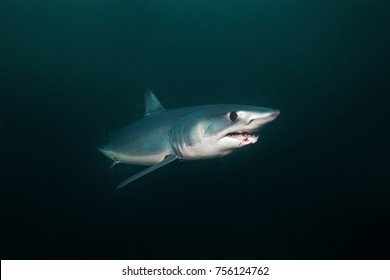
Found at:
<point>314,186</point>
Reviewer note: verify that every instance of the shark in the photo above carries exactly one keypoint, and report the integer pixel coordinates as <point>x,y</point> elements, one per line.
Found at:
<point>189,133</point>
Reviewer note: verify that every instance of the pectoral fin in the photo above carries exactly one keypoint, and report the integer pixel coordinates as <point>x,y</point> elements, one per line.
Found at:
<point>165,161</point>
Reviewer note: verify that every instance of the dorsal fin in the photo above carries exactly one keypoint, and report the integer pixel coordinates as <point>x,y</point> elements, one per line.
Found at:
<point>152,105</point>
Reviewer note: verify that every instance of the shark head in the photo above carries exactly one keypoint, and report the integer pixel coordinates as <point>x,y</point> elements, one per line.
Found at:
<point>219,130</point>
<point>236,126</point>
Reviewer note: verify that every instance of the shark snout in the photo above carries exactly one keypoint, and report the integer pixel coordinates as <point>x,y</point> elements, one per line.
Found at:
<point>266,116</point>
<point>274,114</point>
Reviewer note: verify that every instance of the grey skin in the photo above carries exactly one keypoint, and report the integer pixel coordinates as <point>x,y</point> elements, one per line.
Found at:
<point>192,133</point>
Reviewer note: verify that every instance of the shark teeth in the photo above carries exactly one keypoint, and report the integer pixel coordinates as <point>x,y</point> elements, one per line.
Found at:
<point>245,137</point>
<point>239,133</point>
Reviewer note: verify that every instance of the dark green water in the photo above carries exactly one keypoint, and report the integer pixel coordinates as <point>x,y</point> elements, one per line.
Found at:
<point>314,186</point>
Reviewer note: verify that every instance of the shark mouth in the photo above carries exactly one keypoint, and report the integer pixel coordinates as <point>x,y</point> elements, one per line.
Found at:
<point>244,137</point>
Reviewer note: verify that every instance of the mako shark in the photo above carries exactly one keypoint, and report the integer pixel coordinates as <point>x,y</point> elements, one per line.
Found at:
<point>192,133</point>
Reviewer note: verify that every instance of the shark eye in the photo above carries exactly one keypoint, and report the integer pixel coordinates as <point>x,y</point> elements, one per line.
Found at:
<point>233,116</point>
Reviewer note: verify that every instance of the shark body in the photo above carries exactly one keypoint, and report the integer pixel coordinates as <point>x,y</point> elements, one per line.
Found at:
<point>192,133</point>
